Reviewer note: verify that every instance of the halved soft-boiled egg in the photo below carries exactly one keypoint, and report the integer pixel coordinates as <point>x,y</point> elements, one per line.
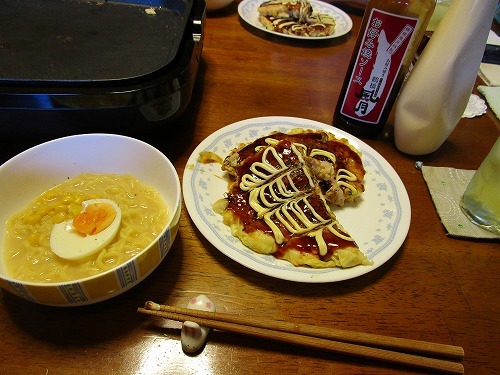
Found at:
<point>90,231</point>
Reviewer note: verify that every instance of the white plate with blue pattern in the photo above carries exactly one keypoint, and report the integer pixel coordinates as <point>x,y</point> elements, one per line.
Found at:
<point>379,222</point>
<point>248,11</point>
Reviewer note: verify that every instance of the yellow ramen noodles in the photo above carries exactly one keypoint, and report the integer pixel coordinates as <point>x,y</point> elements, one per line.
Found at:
<point>26,250</point>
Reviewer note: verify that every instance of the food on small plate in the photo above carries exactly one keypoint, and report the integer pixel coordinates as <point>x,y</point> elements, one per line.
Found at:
<point>295,17</point>
<point>282,194</point>
<point>287,9</point>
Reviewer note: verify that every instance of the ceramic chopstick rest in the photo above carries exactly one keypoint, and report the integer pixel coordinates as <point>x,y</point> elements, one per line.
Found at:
<point>194,336</point>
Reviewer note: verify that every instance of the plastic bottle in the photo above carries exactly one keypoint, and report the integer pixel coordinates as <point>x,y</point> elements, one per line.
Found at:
<point>437,91</point>
<point>389,36</point>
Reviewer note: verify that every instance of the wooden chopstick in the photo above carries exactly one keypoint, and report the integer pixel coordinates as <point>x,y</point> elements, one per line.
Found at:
<point>387,342</point>
<point>338,341</point>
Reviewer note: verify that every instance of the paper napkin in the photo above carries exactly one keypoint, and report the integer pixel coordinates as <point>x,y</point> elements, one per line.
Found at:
<point>490,73</point>
<point>446,186</point>
<point>492,96</point>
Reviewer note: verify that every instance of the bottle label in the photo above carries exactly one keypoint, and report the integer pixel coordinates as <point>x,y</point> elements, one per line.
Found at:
<point>384,45</point>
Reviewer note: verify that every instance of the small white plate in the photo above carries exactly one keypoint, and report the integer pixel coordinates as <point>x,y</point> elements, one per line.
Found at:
<point>379,222</point>
<point>247,10</point>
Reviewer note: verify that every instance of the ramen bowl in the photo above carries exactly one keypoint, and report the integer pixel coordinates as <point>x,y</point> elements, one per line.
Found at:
<point>213,5</point>
<point>29,174</point>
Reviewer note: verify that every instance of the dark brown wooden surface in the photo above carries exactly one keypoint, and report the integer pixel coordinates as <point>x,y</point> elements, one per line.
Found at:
<point>435,288</point>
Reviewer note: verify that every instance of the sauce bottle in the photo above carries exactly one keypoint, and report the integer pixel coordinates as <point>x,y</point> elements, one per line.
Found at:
<point>436,94</point>
<point>389,36</point>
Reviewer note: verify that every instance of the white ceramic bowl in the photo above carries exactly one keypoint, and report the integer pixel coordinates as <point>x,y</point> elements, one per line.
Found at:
<point>217,4</point>
<point>27,175</point>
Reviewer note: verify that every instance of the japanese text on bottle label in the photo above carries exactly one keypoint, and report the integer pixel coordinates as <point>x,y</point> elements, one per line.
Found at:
<point>379,60</point>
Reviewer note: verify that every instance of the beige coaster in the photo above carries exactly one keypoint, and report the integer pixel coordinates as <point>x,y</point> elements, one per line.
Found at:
<point>446,186</point>
<point>490,74</point>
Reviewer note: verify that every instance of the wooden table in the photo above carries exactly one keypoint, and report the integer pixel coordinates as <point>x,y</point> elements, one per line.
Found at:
<point>435,288</point>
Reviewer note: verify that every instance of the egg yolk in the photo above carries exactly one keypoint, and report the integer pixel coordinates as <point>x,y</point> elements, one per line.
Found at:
<point>95,218</point>
<point>90,231</point>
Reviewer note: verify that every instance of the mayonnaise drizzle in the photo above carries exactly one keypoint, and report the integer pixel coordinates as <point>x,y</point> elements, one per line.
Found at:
<point>263,171</point>
<point>273,194</point>
<point>329,155</point>
<point>304,8</point>
<point>344,174</point>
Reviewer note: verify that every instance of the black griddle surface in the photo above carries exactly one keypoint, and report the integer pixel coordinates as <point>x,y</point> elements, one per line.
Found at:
<point>57,41</point>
